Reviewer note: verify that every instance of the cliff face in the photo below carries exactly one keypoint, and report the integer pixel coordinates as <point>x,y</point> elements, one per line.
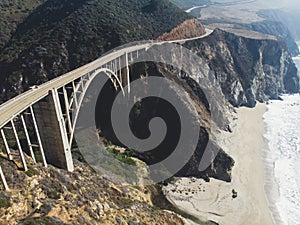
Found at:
<point>288,17</point>
<point>275,28</point>
<point>248,69</point>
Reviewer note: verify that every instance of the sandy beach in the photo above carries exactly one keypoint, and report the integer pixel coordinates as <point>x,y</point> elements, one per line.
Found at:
<point>214,200</point>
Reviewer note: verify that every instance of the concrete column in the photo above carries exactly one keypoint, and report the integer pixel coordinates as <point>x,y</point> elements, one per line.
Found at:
<point>28,138</point>
<point>75,96</point>
<point>3,180</point>
<point>19,146</point>
<point>67,106</point>
<point>120,71</point>
<point>38,136</point>
<point>53,132</point>
<point>127,72</point>
<point>6,145</point>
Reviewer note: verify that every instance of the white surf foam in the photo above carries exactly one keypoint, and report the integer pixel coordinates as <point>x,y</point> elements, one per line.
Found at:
<point>283,155</point>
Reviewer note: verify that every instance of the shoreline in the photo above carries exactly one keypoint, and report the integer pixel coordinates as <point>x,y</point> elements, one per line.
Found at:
<point>271,185</point>
<point>213,200</point>
<point>283,158</point>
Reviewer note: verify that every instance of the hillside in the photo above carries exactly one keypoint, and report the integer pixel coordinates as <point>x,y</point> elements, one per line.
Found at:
<point>188,29</point>
<point>288,17</point>
<point>12,12</point>
<point>44,196</point>
<point>62,35</point>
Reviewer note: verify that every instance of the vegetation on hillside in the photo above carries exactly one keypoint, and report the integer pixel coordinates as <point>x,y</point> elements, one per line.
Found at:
<point>64,34</point>
<point>12,12</point>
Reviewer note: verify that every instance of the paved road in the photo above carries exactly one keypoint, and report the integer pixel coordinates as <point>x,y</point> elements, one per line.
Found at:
<point>17,105</point>
<point>220,4</point>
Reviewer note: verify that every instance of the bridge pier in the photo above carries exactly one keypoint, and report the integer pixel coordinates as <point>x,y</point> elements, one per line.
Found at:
<point>53,132</point>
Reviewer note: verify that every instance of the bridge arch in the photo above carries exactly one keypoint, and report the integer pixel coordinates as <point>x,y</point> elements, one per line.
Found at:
<point>112,77</point>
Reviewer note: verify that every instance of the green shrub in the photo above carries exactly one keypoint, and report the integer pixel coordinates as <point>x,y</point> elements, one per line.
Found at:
<point>31,172</point>
<point>4,201</point>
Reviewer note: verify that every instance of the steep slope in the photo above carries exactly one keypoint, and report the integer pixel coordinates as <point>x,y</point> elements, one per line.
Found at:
<point>12,12</point>
<point>248,69</point>
<point>64,34</point>
<point>275,28</point>
<point>188,29</point>
<point>289,17</point>
<point>52,196</point>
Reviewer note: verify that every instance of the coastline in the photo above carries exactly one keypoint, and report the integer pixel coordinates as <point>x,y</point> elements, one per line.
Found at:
<point>282,158</point>
<point>271,184</point>
<point>213,200</point>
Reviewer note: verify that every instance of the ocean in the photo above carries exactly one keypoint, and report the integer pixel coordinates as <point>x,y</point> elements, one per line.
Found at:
<point>282,134</point>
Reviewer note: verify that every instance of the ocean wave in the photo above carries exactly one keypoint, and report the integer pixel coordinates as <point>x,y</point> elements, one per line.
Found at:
<point>283,137</point>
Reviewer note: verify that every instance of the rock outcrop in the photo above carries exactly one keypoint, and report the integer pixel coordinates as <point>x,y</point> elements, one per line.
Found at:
<point>188,29</point>
<point>53,196</point>
<point>275,28</point>
<point>248,69</point>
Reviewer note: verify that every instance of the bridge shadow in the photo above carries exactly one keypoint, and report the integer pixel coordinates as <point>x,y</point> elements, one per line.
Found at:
<point>140,116</point>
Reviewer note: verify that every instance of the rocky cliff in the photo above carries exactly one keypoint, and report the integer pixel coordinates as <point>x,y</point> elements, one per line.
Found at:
<point>288,17</point>
<point>44,196</point>
<point>275,28</point>
<point>248,69</point>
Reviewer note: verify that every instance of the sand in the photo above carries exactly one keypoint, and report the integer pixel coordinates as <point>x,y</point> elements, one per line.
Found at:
<point>213,200</point>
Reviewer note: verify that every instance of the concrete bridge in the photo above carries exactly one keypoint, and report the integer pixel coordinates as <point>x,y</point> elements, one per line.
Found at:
<point>49,108</point>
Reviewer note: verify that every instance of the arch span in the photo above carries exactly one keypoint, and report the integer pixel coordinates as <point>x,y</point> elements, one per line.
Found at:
<point>112,77</point>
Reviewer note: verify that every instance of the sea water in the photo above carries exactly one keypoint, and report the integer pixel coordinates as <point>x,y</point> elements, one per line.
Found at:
<point>282,132</point>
